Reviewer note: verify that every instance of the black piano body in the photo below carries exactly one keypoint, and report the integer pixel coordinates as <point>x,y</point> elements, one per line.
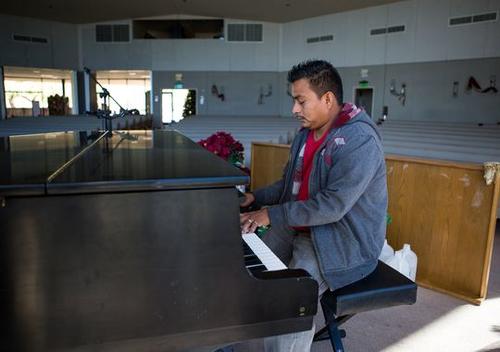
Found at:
<point>130,242</point>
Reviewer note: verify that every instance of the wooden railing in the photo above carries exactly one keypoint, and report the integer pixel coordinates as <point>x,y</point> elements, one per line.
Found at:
<point>444,210</point>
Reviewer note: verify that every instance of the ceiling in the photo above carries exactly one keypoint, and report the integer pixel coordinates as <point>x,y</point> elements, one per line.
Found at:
<point>14,72</point>
<point>123,74</point>
<point>89,11</point>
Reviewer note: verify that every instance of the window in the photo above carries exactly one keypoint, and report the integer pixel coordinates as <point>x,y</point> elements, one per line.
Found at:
<point>112,33</point>
<point>244,32</point>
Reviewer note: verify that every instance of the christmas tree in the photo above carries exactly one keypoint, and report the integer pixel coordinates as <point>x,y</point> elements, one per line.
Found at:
<point>190,104</point>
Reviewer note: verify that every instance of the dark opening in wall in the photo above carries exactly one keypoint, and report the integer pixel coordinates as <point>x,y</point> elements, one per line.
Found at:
<point>178,29</point>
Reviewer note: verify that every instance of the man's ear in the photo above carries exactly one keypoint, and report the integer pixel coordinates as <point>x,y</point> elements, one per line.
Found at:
<point>330,99</point>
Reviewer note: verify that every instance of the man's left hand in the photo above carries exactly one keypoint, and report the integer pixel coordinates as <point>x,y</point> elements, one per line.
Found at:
<point>251,220</point>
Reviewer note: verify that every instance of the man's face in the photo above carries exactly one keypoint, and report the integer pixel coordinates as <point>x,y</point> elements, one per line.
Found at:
<point>312,111</point>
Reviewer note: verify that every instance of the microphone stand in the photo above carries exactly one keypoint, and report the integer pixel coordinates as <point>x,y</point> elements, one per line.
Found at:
<point>105,113</point>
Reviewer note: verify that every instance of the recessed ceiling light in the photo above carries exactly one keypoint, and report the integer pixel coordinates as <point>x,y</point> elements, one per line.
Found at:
<point>132,73</point>
<point>36,71</point>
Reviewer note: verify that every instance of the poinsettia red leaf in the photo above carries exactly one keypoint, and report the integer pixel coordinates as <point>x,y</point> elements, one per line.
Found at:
<point>225,146</point>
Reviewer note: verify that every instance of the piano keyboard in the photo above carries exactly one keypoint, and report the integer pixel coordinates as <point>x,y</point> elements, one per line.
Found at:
<point>258,257</point>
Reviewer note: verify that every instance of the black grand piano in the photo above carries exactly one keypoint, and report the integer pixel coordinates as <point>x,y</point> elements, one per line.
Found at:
<point>131,242</point>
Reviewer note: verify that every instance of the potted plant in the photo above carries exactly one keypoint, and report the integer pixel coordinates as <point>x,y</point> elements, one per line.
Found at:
<point>225,146</point>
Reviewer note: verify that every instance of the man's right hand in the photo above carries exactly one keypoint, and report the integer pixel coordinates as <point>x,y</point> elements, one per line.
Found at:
<point>249,199</point>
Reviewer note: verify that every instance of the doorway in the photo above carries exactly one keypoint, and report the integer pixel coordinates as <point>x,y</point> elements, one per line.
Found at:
<point>177,104</point>
<point>363,98</point>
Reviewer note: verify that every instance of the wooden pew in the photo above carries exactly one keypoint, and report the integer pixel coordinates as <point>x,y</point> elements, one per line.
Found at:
<point>267,163</point>
<point>445,210</point>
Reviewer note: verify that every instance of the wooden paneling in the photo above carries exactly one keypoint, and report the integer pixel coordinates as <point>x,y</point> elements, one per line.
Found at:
<point>447,213</point>
<point>444,210</point>
<point>268,162</point>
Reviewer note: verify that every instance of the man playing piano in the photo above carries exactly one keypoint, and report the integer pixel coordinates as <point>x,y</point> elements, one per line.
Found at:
<point>327,213</point>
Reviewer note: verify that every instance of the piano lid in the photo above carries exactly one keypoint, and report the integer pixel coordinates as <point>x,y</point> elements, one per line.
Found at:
<point>145,160</point>
<point>26,161</point>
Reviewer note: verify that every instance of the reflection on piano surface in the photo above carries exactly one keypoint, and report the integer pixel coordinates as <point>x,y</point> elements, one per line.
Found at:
<point>132,242</point>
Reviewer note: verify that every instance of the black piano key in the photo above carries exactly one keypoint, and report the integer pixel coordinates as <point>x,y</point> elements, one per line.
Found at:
<point>253,260</point>
<point>247,250</point>
<point>256,269</point>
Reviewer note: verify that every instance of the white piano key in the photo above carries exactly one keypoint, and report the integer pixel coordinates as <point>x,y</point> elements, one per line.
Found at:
<point>266,256</point>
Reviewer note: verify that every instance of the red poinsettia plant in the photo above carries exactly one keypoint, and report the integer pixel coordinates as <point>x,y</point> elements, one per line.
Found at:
<point>224,145</point>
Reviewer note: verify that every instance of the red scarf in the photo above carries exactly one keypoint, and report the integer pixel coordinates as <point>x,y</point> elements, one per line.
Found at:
<point>349,110</point>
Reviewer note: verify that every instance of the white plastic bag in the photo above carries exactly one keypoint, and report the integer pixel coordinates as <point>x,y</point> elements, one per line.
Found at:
<point>411,258</point>
<point>399,263</point>
<point>387,252</point>
<point>404,260</point>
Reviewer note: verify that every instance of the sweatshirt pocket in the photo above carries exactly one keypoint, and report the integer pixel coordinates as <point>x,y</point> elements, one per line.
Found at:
<point>337,248</point>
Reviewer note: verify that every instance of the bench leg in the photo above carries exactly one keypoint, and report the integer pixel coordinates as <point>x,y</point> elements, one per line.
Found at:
<point>336,336</point>
<point>322,334</point>
<point>331,330</point>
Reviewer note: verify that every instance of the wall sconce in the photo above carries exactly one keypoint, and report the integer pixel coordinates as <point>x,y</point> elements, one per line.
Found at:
<point>454,92</point>
<point>401,95</point>
<point>218,93</point>
<point>263,95</point>
<point>492,88</point>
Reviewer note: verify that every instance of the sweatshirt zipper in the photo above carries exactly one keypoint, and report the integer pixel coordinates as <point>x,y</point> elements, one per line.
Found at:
<point>289,172</point>
<point>316,159</point>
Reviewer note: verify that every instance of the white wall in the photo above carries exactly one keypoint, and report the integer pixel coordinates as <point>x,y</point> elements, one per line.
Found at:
<point>241,90</point>
<point>429,88</point>
<point>135,54</point>
<point>61,51</point>
<point>184,54</point>
<point>427,37</point>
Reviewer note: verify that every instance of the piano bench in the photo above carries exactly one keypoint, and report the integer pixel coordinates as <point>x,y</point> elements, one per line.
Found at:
<point>384,287</point>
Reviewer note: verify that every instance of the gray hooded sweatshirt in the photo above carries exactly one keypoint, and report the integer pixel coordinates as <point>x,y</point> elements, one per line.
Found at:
<point>347,205</point>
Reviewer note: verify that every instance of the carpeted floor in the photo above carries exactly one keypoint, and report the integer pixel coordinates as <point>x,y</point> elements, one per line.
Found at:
<point>436,322</point>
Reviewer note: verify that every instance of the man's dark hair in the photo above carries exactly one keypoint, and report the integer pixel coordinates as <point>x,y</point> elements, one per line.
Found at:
<point>322,77</point>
